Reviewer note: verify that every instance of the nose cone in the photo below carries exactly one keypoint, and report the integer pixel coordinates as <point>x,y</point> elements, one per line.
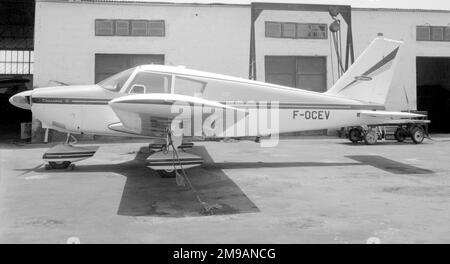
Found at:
<point>22,100</point>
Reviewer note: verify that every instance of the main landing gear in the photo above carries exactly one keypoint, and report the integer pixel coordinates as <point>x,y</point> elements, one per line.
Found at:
<point>171,160</point>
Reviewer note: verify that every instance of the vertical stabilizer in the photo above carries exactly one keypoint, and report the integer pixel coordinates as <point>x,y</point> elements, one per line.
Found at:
<point>370,77</point>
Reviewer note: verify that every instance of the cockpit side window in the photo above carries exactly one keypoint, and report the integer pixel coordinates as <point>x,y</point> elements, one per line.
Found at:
<point>148,82</point>
<point>115,82</point>
<point>188,86</point>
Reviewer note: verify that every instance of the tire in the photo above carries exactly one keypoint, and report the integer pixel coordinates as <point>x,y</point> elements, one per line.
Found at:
<point>417,135</point>
<point>167,173</point>
<point>400,134</point>
<point>371,137</point>
<point>354,135</point>
<point>59,165</point>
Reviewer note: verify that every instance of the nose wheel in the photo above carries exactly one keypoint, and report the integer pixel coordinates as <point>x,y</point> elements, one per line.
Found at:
<point>59,165</point>
<point>167,173</point>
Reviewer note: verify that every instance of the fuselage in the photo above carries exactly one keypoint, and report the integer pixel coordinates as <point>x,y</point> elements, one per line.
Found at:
<point>85,109</point>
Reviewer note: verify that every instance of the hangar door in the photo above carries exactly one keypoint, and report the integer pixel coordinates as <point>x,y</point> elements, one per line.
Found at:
<point>307,73</point>
<point>433,91</point>
<point>110,64</point>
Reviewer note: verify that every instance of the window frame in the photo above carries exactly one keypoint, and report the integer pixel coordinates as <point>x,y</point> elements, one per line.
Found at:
<point>130,27</point>
<point>138,21</point>
<point>430,28</point>
<point>282,25</point>
<point>105,20</point>
<point>127,86</point>
<point>187,78</point>
<point>431,33</point>
<point>122,20</point>
<point>273,22</point>
<point>156,21</point>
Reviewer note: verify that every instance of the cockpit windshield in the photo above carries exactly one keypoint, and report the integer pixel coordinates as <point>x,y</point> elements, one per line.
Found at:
<point>115,82</point>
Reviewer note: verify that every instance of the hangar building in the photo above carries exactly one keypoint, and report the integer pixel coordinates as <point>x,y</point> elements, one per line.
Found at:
<point>84,41</point>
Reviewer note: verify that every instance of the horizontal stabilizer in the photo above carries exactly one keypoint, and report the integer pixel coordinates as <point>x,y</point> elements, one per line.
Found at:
<point>390,115</point>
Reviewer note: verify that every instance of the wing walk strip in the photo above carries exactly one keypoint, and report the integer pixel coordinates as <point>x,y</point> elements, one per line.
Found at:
<point>249,105</point>
<point>68,155</point>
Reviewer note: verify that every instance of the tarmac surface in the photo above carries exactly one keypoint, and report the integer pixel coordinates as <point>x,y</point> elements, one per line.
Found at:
<point>307,190</point>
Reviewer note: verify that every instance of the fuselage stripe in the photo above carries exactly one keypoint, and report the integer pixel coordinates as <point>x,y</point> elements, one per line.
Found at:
<point>250,105</point>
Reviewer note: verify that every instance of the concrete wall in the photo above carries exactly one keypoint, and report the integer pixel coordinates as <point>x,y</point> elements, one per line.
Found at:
<point>212,38</point>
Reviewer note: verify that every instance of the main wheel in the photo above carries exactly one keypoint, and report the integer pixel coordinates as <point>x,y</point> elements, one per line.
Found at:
<point>354,135</point>
<point>417,135</point>
<point>59,165</point>
<point>400,134</point>
<point>167,173</point>
<point>371,137</point>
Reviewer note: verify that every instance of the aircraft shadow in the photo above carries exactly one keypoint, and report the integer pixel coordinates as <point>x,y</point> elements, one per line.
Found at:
<point>147,194</point>
<point>389,165</point>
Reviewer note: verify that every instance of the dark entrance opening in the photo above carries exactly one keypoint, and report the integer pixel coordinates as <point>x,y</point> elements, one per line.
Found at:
<point>12,117</point>
<point>16,64</point>
<point>433,91</point>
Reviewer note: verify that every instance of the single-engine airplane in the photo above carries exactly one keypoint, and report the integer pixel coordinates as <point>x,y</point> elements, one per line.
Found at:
<point>179,105</point>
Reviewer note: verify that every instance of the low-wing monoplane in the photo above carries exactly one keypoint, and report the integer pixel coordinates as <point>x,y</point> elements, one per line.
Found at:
<point>177,106</point>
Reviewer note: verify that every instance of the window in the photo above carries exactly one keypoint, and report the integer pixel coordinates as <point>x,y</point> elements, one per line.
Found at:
<point>137,89</point>
<point>437,33</point>
<point>317,31</point>
<point>296,30</point>
<point>115,82</point>
<point>148,82</point>
<point>432,33</point>
<point>137,28</point>
<point>156,28</point>
<point>16,61</point>
<point>289,30</point>
<point>423,33</point>
<point>307,73</point>
<point>190,87</point>
<point>104,27</point>
<point>303,31</point>
<point>447,34</point>
<point>273,30</point>
<point>122,27</point>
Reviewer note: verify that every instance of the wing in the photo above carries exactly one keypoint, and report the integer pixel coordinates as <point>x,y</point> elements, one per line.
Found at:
<point>152,114</point>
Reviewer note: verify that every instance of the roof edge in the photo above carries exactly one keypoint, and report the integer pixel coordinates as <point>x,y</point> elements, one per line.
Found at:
<point>137,2</point>
<point>400,9</point>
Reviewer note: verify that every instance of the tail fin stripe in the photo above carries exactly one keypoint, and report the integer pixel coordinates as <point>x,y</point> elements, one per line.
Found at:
<point>390,57</point>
